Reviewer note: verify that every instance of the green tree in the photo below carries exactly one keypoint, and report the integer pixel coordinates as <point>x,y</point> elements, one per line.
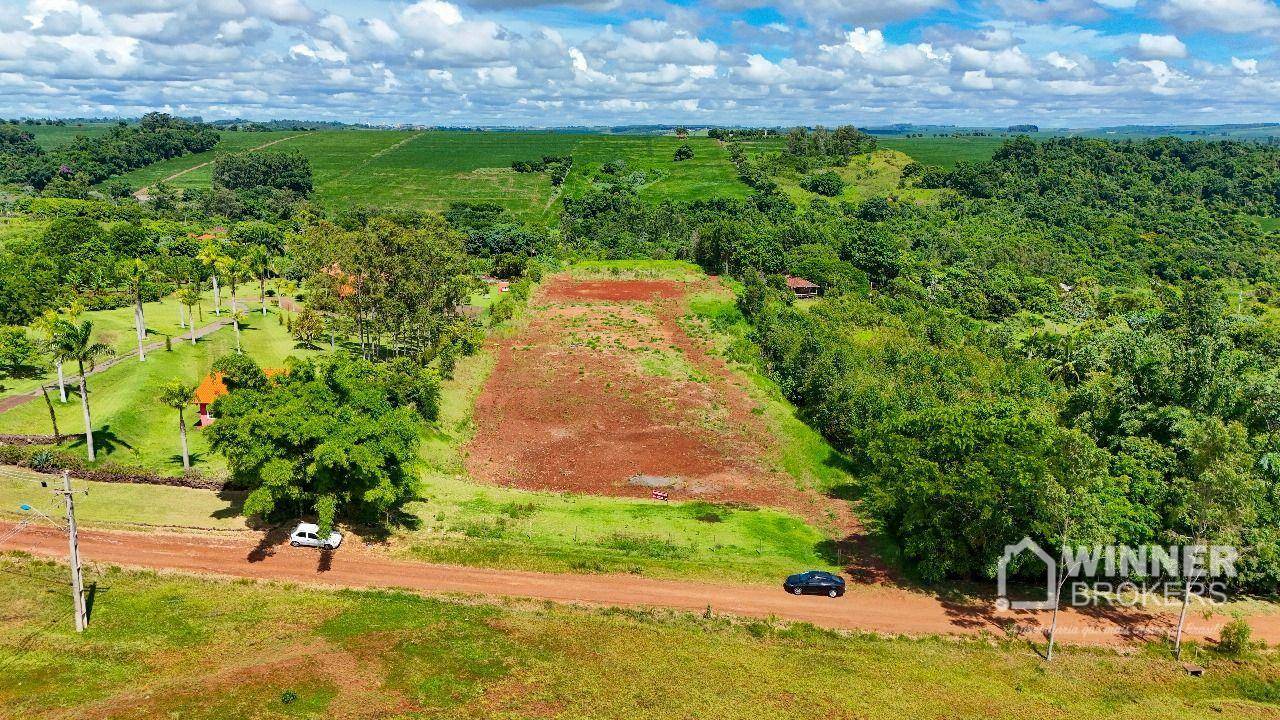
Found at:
<point>75,342</point>
<point>190,297</point>
<point>177,395</point>
<point>259,266</point>
<point>216,261</point>
<point>684,152</point>
<point>329,438</point>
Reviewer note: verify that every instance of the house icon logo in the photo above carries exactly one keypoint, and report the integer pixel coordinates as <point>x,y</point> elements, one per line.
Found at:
<point>1011,552</point>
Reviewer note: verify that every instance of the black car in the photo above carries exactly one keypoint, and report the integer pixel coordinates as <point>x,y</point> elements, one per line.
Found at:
<point>815,582</point>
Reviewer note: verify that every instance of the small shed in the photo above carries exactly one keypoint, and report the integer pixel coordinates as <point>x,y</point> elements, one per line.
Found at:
<point>802,288</point>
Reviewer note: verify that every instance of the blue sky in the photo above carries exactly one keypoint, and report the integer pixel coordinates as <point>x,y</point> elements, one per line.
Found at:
<point>529,62</point>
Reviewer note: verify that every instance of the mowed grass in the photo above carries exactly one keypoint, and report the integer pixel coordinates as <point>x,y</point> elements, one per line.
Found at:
<point>131,426</point>
<point>116,328</point>
<point>163,645</point>
<point>944,151</point>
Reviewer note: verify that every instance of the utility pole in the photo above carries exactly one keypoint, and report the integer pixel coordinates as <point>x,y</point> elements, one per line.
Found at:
<point>77,578</point>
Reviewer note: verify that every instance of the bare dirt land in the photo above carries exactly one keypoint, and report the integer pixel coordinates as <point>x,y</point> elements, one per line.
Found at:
<point>603,392</point>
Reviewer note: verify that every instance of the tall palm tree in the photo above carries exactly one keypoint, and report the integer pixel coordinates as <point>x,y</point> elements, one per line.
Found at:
<point>136,274</point>
<point>177,394</point>
<point>259,261</point>
<point>190,297</point>
<point>212,257</point>
<point>75,342</point>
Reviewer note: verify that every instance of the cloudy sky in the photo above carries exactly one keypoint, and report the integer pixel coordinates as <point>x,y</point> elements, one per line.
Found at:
<point>538,62</point>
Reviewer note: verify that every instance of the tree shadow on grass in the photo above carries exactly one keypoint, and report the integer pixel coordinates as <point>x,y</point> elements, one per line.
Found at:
<point>105,440</point>
<point>235,504</point>
<point>381,530</point>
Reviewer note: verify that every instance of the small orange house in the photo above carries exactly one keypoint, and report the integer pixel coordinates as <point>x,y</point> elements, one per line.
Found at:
<point>212,388</point>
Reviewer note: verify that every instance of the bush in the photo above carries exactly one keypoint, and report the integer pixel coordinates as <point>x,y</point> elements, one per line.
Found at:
<point>684,152</point>
<point>279,170</point>
<point>827,183</point>
<point>1235,637</point>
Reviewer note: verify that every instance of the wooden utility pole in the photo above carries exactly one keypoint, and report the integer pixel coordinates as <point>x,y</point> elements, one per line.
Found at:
<point>77,577</point>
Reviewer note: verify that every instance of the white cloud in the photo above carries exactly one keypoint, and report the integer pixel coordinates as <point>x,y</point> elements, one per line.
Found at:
<point>1233,16</point>
<point>1160,47</point>
<point>1248,66</point>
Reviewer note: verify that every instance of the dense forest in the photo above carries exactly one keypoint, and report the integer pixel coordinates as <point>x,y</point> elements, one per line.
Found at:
<point>1078,334</point>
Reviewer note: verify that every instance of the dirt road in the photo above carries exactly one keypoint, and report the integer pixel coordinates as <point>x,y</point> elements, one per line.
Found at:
<point>868,608</point>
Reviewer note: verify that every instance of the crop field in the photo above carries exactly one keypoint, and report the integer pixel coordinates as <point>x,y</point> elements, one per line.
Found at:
<point>133,427</point>
<point>273,651</point>
<point>944,151</point>
<point>52,136</point>
<point>432,169</point>
<point>707,174</point>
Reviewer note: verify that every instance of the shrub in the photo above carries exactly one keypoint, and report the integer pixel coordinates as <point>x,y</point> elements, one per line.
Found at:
<point>684,152</point>
<point>827,183</point>
<point>1234,638</point>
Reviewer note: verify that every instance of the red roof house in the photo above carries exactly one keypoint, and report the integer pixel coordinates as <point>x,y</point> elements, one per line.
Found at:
<point>802,288</point>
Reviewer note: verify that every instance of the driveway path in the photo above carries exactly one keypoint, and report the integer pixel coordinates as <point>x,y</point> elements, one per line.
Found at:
<point>869,608</point>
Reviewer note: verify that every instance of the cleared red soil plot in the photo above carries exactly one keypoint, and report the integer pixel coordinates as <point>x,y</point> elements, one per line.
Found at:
<point>603,392</point>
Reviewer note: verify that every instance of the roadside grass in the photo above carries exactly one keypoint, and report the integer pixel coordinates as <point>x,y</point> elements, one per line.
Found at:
<point>125,505</point>
<point>131,426</point>
<point>944,151</point>
<point>166,645</point>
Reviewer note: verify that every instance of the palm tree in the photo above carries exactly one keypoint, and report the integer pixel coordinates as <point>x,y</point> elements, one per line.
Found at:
<point>190,297</point>
<point>238,316</point>
<point>177,394</point>
<point>136,274</point>
<point>212,257</point>
<point>48,324</point>
<point>259,262</point>
<point>75,342</point>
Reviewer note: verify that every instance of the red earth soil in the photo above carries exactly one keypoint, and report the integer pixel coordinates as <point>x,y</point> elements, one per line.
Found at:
<point>603,392</point>
<point>873,608</point>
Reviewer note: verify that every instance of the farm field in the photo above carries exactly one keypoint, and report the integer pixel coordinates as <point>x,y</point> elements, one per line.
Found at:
<point>944,151</point>
<point>132,427</point>
<point>52,136</point>
<point>432,169</point>
<point>277,651</point>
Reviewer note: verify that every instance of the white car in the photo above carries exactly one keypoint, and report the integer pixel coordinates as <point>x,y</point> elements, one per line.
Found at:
<point>306,534</point>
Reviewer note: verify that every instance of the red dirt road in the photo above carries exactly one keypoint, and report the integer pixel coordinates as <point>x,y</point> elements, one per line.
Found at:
<point>876,609</point>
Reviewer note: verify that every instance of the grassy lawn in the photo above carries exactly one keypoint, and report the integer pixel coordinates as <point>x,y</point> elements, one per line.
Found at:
<point>944,151</point>
<point>131,426</point>
<point>259,650</point>
<point>116,328</point>
<point>15,229</point>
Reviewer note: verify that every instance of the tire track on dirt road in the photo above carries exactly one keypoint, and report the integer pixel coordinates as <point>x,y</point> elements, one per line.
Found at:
<point>869,608</point>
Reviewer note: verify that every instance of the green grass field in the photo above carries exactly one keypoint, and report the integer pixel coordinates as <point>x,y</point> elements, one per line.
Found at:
<point>52,136</point>
<point>161,645</point>
<point>432,169</point>
<point>131,426</point>
<point>869,175</point>
<point>944,151</point>
<point>15,229</point>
